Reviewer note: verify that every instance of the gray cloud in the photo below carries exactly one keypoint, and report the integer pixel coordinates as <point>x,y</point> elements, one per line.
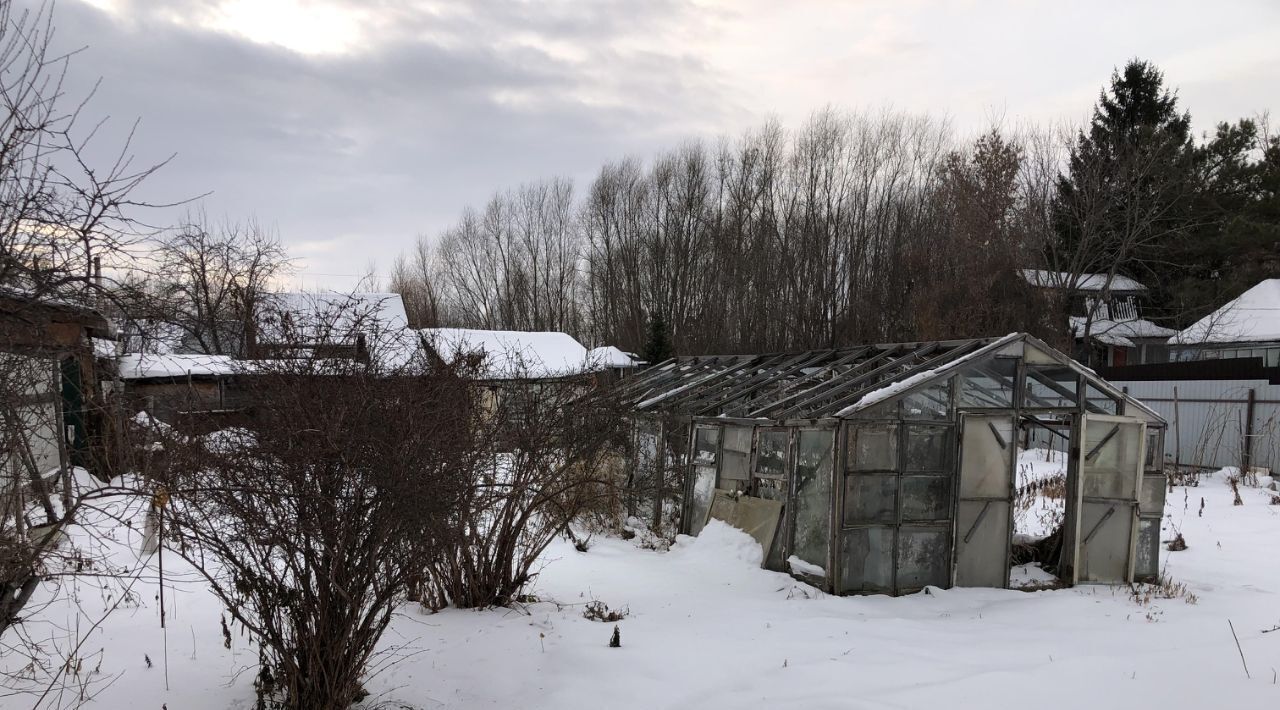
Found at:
<point>437,104</point>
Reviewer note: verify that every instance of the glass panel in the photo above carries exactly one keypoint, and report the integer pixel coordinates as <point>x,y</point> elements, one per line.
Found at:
<point>1153,491</point>
<point>771,452</point>
<point>1147,563</point>
<point>1036,356</point>
<point>924,558</point>
<point>706,444</point>
<point>873,447</point>
<point>704,485</point>
<point>989,384</point>
<point>772,489</point>
<point>1049,386</point>
<point>1110,459</point>
<point>734,453</point>
<point>926,498</point>
<point>737,438</point>
<point>646,450</point>
<point>866,564</point>
<point>929,403</point>
<point>870,499</point>
<point>1154,457</point>
<point>928,448</point>
<point>1099,402</point>
<point>883,410</point>
<point>985,465</point>
<point>812,513</point>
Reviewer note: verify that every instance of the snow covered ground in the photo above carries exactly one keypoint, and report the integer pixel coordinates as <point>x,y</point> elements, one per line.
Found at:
<point>708,629</point>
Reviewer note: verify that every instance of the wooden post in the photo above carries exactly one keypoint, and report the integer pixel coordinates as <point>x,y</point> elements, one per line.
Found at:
<point>64,460</point>
<point>1248,432</point>
<point>659,475</point>
<point>1177,435</point>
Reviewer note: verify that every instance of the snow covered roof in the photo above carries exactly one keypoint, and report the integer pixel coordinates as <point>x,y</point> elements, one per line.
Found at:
<point>608,356</point>
<point>1120,332</point>
<point>140,366</point>
<point>337,318</point>
<point>511,354</point>
<point>1253,317</point>
<point>825,384</point>
<point>1084,282</point>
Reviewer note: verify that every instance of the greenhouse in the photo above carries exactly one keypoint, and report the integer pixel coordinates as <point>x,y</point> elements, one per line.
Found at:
<point>888,468</point>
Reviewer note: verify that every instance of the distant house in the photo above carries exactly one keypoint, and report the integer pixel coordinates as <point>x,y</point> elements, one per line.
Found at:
<point>618,363</point>
<point>53,383</point>
<point>1247,327</point>
<point>509,355</point>
<point>168,386</point>
<point>518,367</point>
<point>367,328</point>
<point>1117,333</point>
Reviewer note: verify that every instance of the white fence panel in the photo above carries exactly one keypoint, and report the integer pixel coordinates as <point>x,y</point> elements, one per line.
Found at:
<point>1210,419</point>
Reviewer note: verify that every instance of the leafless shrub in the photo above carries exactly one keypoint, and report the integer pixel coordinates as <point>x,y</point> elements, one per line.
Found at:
<point>313,522</point>
<point>543,461</point>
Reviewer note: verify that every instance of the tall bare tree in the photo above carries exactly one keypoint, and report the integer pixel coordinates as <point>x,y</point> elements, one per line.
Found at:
<point>210,280</point>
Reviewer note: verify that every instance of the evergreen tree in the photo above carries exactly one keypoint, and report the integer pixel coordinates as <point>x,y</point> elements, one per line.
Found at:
<point>657,346</point>
<point>1124,204</point>
<point>1236,237</point>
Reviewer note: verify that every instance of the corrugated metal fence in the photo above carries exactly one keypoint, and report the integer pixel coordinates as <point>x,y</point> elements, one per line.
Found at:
<point>1211,421</point>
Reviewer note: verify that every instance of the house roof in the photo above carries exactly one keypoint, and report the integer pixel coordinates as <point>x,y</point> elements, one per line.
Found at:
<point>142,366</point>
<point>607,356</point>
<point>511,354</point>
<point>824,384</point>
<point>1253,317</point>
<point>340,318</point>
<point>1083,282</point>
<point>1120,332</point>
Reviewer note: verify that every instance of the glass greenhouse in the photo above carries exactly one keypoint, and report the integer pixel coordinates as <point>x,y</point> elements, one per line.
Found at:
<point>889,468</point>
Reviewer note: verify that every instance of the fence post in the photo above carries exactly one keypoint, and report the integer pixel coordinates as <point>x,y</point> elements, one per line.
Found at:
<point>1177,435</point>
<point>1248,431</point>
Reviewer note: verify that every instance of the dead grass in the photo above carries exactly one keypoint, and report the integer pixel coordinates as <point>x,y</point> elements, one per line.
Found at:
<point>1144,594</point>
<point>599,611</point>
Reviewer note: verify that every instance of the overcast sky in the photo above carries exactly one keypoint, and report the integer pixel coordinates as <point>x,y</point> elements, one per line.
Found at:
<point>351,127</point>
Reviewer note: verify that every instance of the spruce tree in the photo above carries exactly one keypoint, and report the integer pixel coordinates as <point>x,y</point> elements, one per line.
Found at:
<point>1126,198</point>
<point>657,346</point>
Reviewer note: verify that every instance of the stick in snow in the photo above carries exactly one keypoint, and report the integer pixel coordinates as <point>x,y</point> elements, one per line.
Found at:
<point>1241,650</point>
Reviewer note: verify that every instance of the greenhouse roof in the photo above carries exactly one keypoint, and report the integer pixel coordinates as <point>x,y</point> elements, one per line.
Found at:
<point>821,384</point>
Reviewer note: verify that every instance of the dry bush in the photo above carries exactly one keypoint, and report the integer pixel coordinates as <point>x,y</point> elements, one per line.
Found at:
<point>312,523</point>
<point>599,611</point>
<point>543,460</point>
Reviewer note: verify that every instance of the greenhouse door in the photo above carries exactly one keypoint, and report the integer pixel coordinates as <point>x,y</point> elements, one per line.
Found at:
<point>1110,461</point>
<point>987,447</point>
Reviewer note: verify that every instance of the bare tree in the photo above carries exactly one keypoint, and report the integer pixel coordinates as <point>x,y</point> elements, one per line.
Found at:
<point>64,220</point>
<point>211,280</point>
<point>415,277</point>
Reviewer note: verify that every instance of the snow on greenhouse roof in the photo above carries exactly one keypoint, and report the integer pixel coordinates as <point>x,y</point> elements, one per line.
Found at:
<point>820,383</point>
<point>1253,317</point>
<point>1084,282</point>
<point>511,354</point>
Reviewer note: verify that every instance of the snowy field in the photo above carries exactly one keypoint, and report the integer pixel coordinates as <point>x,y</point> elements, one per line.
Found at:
<point>708,629</point>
